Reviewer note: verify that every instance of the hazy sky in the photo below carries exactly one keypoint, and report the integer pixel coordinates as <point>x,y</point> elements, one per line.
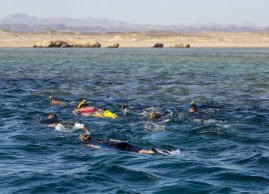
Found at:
<point>147,11</point>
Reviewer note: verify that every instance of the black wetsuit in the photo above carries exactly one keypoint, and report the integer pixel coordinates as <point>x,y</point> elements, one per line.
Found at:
<point>50,121</point>
<point>120,145</point>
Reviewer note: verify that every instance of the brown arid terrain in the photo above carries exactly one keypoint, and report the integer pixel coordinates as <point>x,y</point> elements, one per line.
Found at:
<point>201,39</point>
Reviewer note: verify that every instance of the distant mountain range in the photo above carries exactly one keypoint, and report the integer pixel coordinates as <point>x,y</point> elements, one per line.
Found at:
<point>26,23</point>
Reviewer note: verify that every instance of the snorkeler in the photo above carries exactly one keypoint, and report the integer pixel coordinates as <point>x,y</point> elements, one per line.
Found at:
<point>84,109</point>
<point>55,102</point>
<point>155,115</point>
<point>193,108</point>
<point>125,108</point>
<point>117,144</point>
<point>53,121</point>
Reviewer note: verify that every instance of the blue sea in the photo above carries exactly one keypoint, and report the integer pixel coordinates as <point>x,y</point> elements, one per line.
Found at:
<point>223,148</point>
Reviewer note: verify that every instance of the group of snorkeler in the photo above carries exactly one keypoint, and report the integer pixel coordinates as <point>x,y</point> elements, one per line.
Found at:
<point>85,109</point>
<point>53,121</point>
<point>154,114</point>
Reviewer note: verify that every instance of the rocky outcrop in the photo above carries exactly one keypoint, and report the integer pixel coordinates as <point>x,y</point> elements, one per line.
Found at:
<point>182,45</point>
<point>52,43</point>
<point>113,45</point>
<point>64,44</point>
<point>86,44</point>
<point>158,45</point>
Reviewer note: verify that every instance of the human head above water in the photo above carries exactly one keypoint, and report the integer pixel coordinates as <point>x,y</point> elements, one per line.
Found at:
<point>193,107</point>
<point>85,137</point>
<point>52,116</point>
<point>155,115</point>
<point>83,104</point>
<point>52,98</point>
<point>124,106</point>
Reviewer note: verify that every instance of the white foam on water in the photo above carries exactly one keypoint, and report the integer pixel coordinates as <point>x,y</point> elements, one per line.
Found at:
<point>176,152</point>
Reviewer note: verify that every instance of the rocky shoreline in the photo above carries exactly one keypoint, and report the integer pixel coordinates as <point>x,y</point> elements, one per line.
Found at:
<point>91,44</point>
<point>135,40</point>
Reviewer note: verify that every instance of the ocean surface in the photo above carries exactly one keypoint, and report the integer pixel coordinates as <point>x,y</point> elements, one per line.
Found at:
<point>223,148</point>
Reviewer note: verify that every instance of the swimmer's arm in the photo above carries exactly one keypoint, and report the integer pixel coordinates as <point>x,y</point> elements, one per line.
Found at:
<point>146,151</point>
<point>75,112</point>
<point>93,146</point>
<point>86,130</point>
<point>53,125</point>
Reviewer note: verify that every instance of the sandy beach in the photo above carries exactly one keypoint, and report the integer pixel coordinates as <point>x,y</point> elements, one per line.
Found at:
<point>205,39</point>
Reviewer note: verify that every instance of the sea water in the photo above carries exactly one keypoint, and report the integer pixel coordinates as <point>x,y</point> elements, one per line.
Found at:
<point>223,148</point>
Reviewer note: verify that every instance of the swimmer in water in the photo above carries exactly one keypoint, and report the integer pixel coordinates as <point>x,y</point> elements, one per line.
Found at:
<point>84,109</point>
<point>125,109</point>
<point>117,144</point>
<point>53,121</point>
<point>56,102</point>
<point>193,108</point>
<point>155,115</point>
<point>152,113</point>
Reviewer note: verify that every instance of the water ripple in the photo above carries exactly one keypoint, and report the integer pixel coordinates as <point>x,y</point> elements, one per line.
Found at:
<point>221,149</point>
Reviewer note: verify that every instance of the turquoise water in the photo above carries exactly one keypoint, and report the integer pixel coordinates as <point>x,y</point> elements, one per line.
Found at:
<point>222,149</point>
